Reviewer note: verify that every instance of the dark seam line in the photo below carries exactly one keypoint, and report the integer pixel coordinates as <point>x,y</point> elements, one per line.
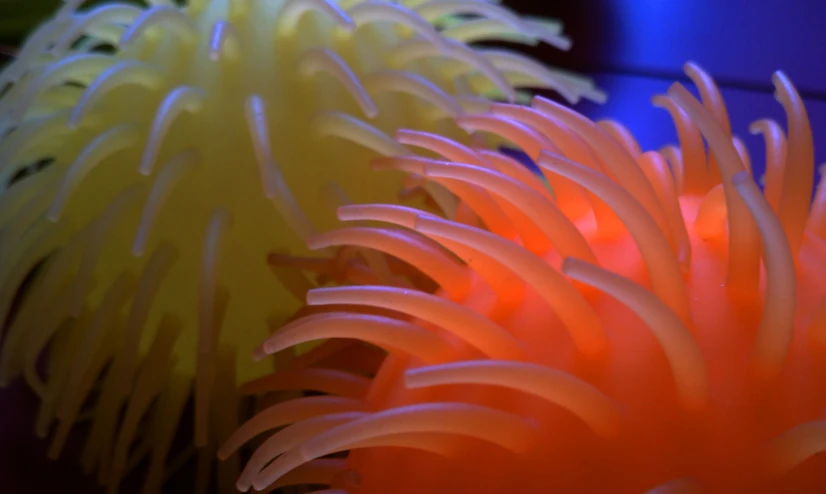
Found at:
<point>722,82</point>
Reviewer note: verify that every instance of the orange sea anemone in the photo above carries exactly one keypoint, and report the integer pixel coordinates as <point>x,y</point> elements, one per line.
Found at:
<point>657,324</point>
<point>150,159</point>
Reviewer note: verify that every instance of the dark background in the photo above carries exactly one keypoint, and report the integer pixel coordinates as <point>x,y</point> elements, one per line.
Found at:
<point>634,49</point>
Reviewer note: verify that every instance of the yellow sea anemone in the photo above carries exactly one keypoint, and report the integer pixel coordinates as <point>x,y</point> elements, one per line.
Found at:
<point>151,158</point>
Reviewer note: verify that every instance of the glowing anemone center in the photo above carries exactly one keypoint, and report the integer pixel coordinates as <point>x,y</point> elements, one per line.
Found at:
<point>656,326</point>
<point>176,148</point>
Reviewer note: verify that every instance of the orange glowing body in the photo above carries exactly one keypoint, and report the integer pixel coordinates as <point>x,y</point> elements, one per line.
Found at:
<point>659,440</point>
<point>618,347</point>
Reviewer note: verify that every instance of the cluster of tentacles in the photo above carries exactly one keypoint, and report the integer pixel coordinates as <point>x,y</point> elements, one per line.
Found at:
<point>150,159</point>
<point>652,322</point>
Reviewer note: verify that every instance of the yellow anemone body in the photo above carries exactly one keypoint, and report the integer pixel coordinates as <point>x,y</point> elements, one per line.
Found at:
<point>184,145</point>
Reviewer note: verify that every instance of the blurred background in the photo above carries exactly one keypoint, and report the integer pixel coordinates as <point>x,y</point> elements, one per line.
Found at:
<point>633,48</point>
<point>637,48</point>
